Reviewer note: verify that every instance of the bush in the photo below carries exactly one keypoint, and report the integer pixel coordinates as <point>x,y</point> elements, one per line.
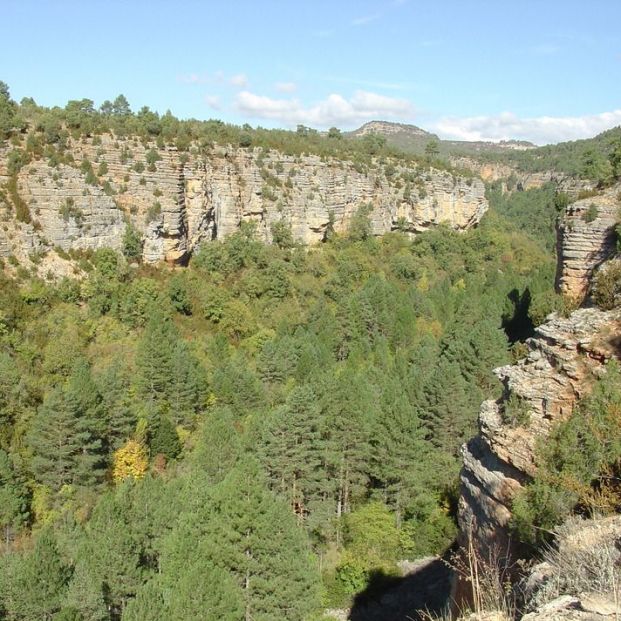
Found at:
<point>360,225</point>
<point>590,215</point>
<point>152,156</point>
<point>607,285</point>
<point>132,243</point>
<point>154,212</point>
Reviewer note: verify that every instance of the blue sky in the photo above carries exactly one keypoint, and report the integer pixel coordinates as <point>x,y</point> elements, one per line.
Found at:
<point>487,69</point>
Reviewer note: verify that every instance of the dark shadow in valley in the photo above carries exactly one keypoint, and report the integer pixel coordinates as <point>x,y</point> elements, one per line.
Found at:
<point>518,326</point>
<point>390,598</point>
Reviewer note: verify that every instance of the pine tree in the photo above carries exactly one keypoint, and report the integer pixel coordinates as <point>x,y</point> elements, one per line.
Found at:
<point>188,387</point>
<point>109,559</point>
<point>249,534</point>
<point>399,449</point>
<point>256,541</point>
<point>349,408</point>
<point>119,412</point>
<point>218,446</point>
<point>84,401</point>
<point>450,413</point>
<point>38,581</point>
<point>291,448</point>
<point>154,361</point>
<point>14,497</point>
<point>164,439</point>
<point>53,443</point>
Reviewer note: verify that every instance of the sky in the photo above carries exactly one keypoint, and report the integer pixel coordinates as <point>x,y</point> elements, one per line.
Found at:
<point>538,70</point>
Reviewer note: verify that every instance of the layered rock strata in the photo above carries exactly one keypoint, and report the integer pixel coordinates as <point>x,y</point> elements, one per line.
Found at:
<point>180,200</point>
<point>514,178</point>
<point>587,238</point>
<point>563,359</point>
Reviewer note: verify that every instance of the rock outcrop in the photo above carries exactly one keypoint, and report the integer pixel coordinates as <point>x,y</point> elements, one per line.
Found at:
<point>587,238</point>
<point>180,200</point>
<point>564,357</point>
<point>514,178</point>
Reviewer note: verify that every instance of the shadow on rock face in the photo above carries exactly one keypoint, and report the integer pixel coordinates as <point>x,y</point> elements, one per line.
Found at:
<point>390,598</point>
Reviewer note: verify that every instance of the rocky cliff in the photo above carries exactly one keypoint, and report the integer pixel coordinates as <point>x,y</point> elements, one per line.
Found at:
<point>564,357</point>
<point>180,200</point>
<point>587,238</point>
<point>497,171</point>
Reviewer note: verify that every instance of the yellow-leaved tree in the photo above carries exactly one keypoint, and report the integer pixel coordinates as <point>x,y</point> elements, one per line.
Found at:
<point>130,461</point>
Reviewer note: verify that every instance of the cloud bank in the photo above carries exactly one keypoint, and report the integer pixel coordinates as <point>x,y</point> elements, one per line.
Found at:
<point>333,110</point>
<point>540,130</point>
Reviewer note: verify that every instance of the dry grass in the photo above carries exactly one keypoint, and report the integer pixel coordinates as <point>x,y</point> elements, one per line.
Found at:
<point>487,579</point>
<point>585,560</point>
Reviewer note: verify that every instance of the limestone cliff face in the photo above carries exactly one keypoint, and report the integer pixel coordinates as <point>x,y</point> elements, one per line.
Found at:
<point>497,171</point>
<point>183,200</point>
<point>564,357</point>
<point>587,239</point>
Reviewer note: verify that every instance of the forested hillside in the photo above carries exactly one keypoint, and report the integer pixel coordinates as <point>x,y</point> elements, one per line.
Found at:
<point>276,422</point>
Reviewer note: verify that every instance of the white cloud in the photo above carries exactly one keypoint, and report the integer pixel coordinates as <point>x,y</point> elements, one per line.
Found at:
<point>334,110</point>
<point>213,101</point>
<point>286,87</point>
<point>540,130</point>
<point>240,80</point>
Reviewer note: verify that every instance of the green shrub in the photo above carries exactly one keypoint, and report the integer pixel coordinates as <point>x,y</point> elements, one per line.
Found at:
<point>578,465</point>
<point>132,243</point>
<point>606,288</point>
<point>154,212</point>
<point>590,215</point>
<point>152,156</point>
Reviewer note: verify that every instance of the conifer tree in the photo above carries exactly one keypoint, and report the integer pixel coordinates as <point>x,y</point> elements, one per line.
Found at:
<point>38,581</point>
<point>188,387</point>
<point>54,443</point>
<point>119,411</point>
<point>14,498</point>
<point>154,361</point>
<point>252,537</point>
<point>218,446</point>
<point>291,448</point>
<point>349,408</point>
<point>399,450</point>
<point>109,559</point>
<point>164,439</point>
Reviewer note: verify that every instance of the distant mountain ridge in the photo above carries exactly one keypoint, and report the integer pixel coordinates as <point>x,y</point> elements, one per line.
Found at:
<point>413,139</point>
<point>389,128</point>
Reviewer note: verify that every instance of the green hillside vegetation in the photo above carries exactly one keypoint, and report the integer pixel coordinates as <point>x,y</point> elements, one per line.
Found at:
<point>45,132</point>
<point>276,422</point>
<point>598,158</point>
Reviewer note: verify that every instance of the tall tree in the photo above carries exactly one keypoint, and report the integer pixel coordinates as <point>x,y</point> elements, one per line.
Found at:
<point>14,497</point>
<point>65,436</point>
<point>37,583</point>
<point>252,537</point>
